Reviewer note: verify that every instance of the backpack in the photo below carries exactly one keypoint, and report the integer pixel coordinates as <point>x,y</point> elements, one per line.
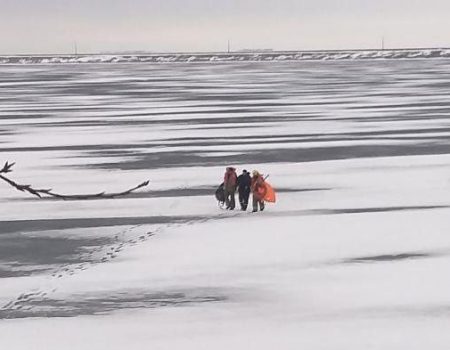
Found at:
<point>220,194</point>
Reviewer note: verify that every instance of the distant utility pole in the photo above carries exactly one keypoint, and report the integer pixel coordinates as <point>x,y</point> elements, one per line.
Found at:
<point>228,48</point>
<point>75,48</point>
<point>382,43</point>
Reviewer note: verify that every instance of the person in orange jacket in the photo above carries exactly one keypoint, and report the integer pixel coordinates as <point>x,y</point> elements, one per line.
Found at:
<point>259,190</point>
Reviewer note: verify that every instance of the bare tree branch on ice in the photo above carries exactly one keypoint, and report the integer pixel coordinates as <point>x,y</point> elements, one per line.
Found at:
<point>7,168</point>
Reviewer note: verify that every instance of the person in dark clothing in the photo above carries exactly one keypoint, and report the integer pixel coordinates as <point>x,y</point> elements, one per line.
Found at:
<point>230,184</point>
<point>244,182</point>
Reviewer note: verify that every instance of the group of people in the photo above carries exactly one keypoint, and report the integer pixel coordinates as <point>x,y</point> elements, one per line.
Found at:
<point>244,184</point>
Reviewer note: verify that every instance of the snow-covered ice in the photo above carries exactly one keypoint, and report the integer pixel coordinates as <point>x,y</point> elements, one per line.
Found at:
<point>354,255</point>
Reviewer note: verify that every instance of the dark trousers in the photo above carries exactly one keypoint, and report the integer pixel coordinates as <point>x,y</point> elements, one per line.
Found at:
<point>243,198</point>
<point>229,198</point>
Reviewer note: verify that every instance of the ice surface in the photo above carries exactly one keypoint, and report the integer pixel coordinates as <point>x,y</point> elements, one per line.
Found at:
<point>354,255</point>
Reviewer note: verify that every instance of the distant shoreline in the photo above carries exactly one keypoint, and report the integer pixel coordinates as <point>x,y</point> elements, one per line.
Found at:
<point>235,56</point>
<point>242,51</point>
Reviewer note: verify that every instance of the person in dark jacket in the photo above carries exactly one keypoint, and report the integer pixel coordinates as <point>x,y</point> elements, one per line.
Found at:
<point>244,182</point>
<point>229,186</point>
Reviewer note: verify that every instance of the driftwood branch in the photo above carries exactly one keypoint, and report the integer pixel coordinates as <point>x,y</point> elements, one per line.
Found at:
<point>7,168</point>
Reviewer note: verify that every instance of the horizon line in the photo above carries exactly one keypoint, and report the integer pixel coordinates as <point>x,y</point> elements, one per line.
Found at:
<point>241,51</point>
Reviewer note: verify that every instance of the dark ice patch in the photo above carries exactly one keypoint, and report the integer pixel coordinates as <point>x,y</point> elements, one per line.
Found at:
<point>346,211</point>
<point>172,159</point>
<point>98,304</point>
<point>23,255</point>
<point>21,271</point>
<point>295,190</point>
<point>387,258</point>
<point>63,224</point>
<point>383,209</point>
<point>177,193</point>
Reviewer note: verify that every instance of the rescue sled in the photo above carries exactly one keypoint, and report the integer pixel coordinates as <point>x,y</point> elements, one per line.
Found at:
<point>220,195</point>
<point>270,196</point>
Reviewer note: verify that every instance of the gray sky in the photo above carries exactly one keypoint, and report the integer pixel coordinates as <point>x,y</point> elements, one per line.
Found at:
<point>52,26</point>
